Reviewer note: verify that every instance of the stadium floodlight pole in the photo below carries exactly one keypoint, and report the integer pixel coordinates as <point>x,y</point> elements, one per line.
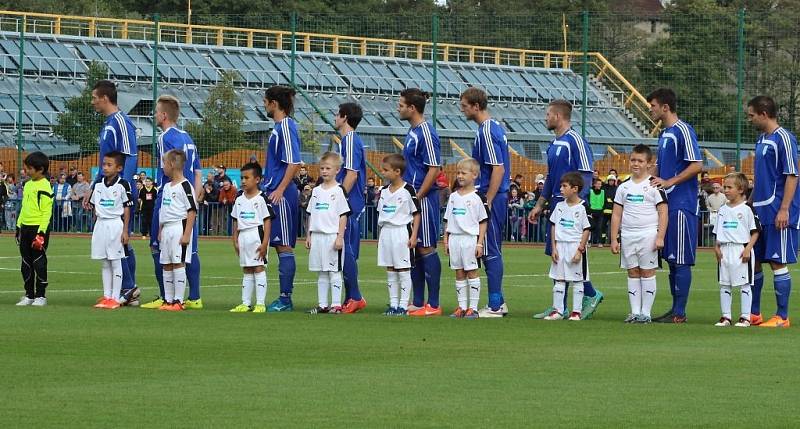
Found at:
<point>740,90</point>
<point>435,55</point>
<point>153,150</point>
<point>585,71</point>
<point>20,103</point>
<point>294,47</point>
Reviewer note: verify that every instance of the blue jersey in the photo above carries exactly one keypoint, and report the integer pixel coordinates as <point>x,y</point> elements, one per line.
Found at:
<point>352,151</point>
<point>776,158</point>
<point>283,149</point>
<point>568,152</point>
<point>490,149</point>
<point>422,150</point>
<point>174,138</point>
<point>119,134</point>
<point>677,149</point>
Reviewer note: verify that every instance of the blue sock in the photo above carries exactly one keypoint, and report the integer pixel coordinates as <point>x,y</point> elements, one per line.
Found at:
<point>783,288</point>
<point>193,277</point>
<point>672,291</point>
<point>286,270</point>
<point>683,283</point>
<point>758,285</point>
<point>588,289</point>
<point>129,269</point>
<point>418,281</point>
<point>350,272</point>
<point>159,274</point>
<point>494,280</point>
<point>433,276</point>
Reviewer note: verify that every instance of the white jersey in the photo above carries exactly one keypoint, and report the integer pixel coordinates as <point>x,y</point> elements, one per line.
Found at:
<point>325,208</point>
<point>465,213</point>
<point>639,202</point>
<point>250,212</point>
<point>397,208</point>
<point>110,199</point>
<point>177,201</point>
<point>735,224</point>
<point>570,222</point>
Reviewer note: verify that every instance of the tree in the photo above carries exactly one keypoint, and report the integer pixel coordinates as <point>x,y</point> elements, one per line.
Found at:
<point>311,138</point>
<point>79,123</point>
<point>223,115</point>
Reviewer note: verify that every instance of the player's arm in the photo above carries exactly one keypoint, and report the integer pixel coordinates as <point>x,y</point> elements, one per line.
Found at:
<point>616,220</point>
<point>446,239</point>
<point>235,235</point>
<point>198,184</point>
<point>494,182</point>
<point>412,240</point>
<point>755,232</point>
<point>482,227</point>
<point>277,194</point>
<point>45,200</point>
<point>789,188</point>
<point>689,172</point>
<point>554,251</point>
<point>339,243</point>
<point>582,246</point>
<point>126,218</point>
<point>191,214</point>
<point>547,191</point>
<point>308,231</point>
<point>663,221</point>
<point>717,251</point>
<point>427,183</point>
<point>349,181</point>
<point>350,164</point>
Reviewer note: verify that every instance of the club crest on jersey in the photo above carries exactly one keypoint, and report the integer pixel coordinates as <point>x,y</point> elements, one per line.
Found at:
<point>740,216</point>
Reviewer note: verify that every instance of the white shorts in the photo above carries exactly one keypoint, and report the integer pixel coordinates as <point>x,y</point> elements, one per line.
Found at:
<point>107,239</point>
<point>639,251</point>
<point>322,256</point>
<point>462,252</point>
<point>393,248</point>
<point>172,252</point>
<point>732,271</point>
<point>249,240</point>
<point>564,269</point>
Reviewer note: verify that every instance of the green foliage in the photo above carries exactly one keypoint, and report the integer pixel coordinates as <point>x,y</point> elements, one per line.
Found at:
<point>311,138</point>
<point>79,123</point>
<point>223,115</point>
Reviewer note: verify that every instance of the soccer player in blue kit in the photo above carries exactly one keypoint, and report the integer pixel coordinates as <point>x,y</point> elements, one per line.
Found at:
<point>283,162</point>
<point>422,152</point>
<point>491,151</point>
<point>568,152</point>
<point>118,134</point>
<point>172,137</point>
<point>678,164</point>
<point>777,204</point>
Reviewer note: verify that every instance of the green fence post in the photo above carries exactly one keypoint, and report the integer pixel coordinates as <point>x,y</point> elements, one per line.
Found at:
<point>740,90</point>
<point>20,103</point>
<point>153,141</point>
<point>434,54</point>
<point>585,71</point>
<point>294,47</point>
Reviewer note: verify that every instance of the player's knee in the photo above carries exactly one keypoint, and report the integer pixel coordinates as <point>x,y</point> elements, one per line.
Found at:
<point>775,266</point>
<point>284,249</point>
<point>646,273</point>
<point>425,250</point>
<point>472,274</point>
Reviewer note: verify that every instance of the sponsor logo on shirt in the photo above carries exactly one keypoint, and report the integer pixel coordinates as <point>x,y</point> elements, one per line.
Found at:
<point>730,224</point>
<point>166,201</point>
<point>566,223</point>
<point>321,206</point>
<point>247,215</point>
<point>389,209</point>
<point>459,211</point>
<point>106,203</point>
<point>634,198</point>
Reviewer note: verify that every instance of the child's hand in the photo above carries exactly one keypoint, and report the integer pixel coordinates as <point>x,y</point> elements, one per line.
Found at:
<point>185,239</point>
<point>577,257</point>
<point>262,251</point>
<point>718,254</point>
<point>446,247</point>
<point>479,250</point>
<point>745,255</point>
<point>125,238</point>
<point>308,241</point>
<point>615,247</point>
<point>236,246</point>
<point>659,243</point>
<point>554,255</point>
<point>412,242</point>
<point>339,243</point>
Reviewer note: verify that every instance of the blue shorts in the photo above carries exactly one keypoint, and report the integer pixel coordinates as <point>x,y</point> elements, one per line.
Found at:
<point>154,225</point>
<point>498,216</point>
<point>287,218</point>
<point>680,241</point>
<point>429,222</point>
<point>776,245</point>
<point>352,235</point>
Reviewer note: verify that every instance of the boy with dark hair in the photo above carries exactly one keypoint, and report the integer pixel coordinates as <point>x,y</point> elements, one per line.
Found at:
<point>33,229</point>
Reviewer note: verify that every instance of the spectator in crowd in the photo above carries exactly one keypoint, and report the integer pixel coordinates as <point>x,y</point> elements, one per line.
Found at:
<point>444,191</point>
<point>3,199</point>
<point>704,178</point>
<point>72,179</point>
<point>305,197</point>
<point>2,171</point>
<point>209,199</point>
<point>517,183</point>
<point>62,205</point>
<point>370,209</point>
<point>715,199</point>
<point>147,203</point>
<point>227,196</point>
<point>749,189</point>
<point>541,223</point>
<point>611,191</point>
<point>613,172</point>
<point>515,215</point>
<point>596,175</point>
<point>220,177</point>
<point>11,203</point>
<point>597,204</point>
<point>81,190</point>
<point>303,178</point>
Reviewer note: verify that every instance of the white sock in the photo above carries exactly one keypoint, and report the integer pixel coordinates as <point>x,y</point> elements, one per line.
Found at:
<point>393,283</point>
<point>559,289</point>
<point>747,301</point>
<point>248,283</point>
<point>648,294</point>
<point>336,288</point>
<point>635,294</point>
<point>169,287</point>
<point>323,284</point>
<point>474,292</point>
<point>405,288</point>
<point>179,277</point>
<point>116,279</point>
<point>261,287</point>
<point>577,297</point>
<point>462,294</point>
<point>725,299</point>
<point>107,278</point>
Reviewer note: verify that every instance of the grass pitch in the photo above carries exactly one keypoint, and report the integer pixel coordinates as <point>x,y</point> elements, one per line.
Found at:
<point>68,365</point>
